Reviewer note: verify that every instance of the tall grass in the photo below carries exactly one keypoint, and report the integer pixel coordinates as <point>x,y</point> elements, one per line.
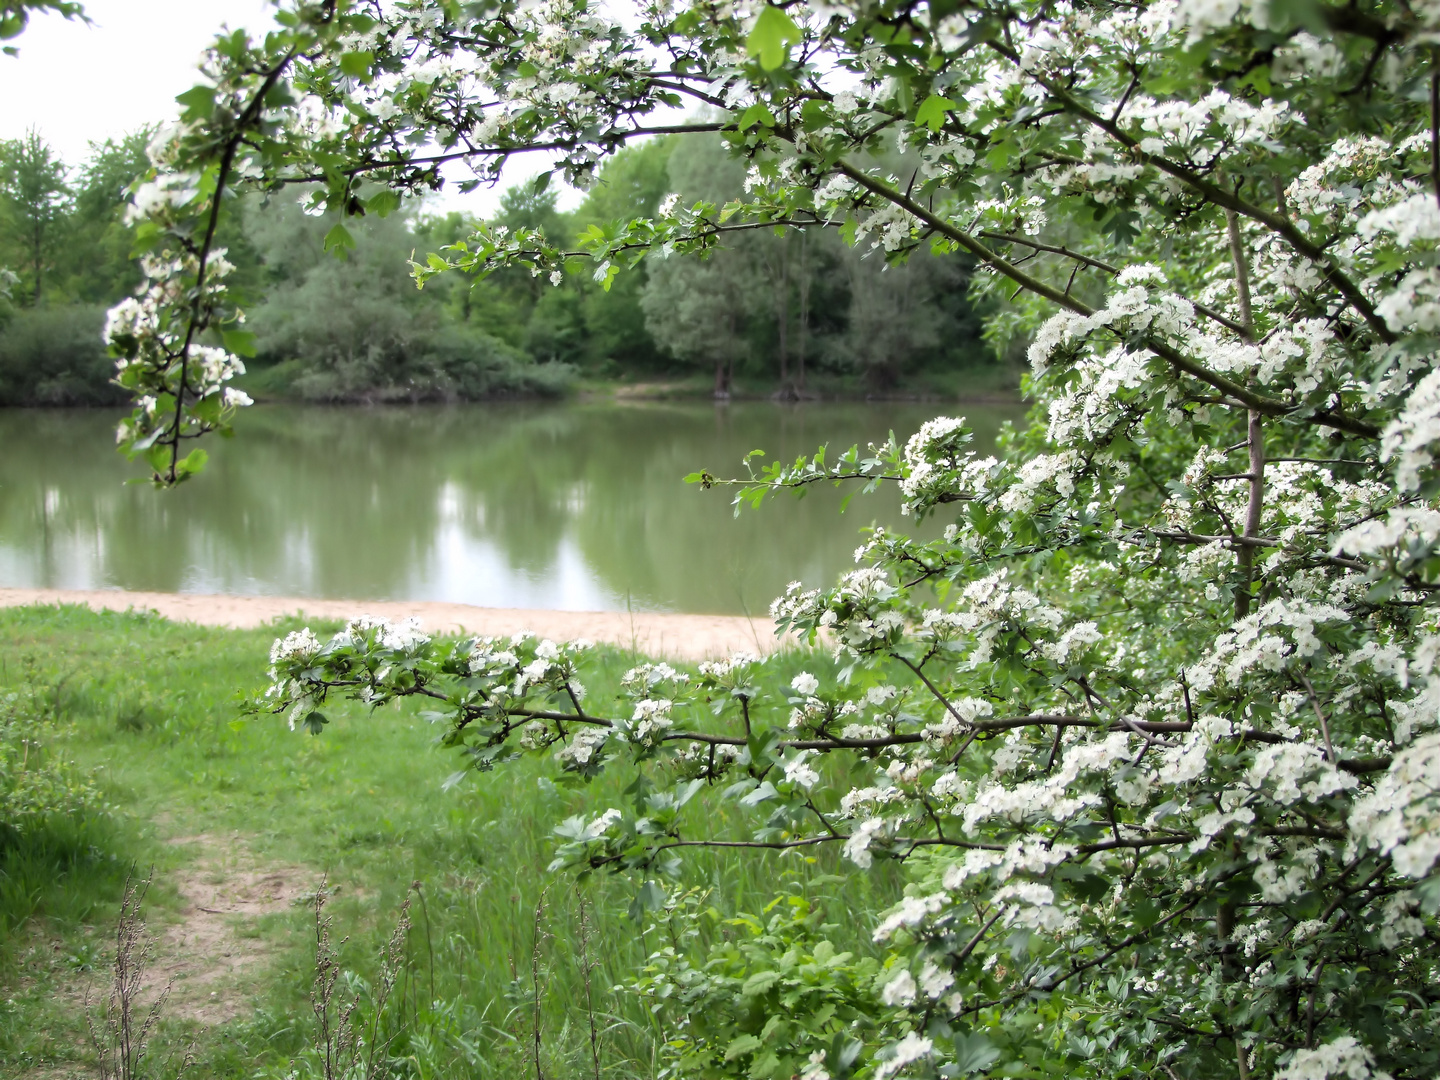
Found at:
<point>152,707</point>
<point>54,828</point>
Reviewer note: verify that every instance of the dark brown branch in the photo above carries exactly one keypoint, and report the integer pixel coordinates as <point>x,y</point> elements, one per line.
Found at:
<point>1076,969</point>
<point>212,224</point>
<point>1261,403</point>
<point>1086,260</point>
<point>1226,200</point>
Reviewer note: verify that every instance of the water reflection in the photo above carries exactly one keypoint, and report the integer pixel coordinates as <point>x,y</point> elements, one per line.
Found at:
<point>577,506</point>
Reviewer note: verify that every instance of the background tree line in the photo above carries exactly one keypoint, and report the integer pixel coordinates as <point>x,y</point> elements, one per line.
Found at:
<point>791,314</point>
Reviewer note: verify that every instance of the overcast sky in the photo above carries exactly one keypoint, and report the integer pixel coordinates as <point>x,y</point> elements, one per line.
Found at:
<point>78,84</point>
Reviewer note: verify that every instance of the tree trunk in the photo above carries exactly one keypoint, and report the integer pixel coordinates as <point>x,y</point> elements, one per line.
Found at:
<point>37,248</point>
<point>783,311</point>
<point>803,329</point>
<point>725,359</point>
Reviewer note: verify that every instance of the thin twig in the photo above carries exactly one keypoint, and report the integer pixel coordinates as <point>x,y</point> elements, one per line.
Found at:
<point>1319,715</point>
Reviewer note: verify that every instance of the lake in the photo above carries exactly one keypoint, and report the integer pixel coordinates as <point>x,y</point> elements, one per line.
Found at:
<point>573,506</point>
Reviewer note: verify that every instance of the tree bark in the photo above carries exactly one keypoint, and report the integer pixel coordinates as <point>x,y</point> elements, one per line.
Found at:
<point>1245,557</point>
<point>804,327</point>
<point>782,316</point>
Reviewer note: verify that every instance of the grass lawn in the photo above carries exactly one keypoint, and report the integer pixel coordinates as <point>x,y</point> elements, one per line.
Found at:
<point>240,818</point>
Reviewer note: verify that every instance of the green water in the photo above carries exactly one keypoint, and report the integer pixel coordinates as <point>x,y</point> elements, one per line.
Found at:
<point>577,506</point>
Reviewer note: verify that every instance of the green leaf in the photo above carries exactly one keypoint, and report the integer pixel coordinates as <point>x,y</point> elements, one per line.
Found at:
<point>763,793</point>
<point>338,239</point>
<point>239,342</point>
<point>1309,14</point>
<point>383,203</point>
<point>932,111</point>
<point>199,102</point>
<point>773,32</point>
<point>685,792</point>
<point>1429,893</point>
<point>191,463</point>
<point>356,64</point>
<point>973,1053</point>
<point>759,113</point>
<point>651,896</point>
<point>1123,225</point>
<point>207,409</point>
<point>759,983</point>
<point>767,1064</point>
<point>1259,78</point>
<point>232,46</point>
<point>742,1046</point>
<point>145,442</point>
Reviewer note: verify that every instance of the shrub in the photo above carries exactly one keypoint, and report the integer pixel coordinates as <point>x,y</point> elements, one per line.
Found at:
<point>54,356</point>
<point>52,816</point>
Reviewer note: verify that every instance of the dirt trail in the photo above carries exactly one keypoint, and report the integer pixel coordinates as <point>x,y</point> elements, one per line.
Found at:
<point>677,637</point>
<point>211,955</point>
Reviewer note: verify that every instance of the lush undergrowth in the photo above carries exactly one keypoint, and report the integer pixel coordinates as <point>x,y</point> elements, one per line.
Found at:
<point>151,707</point>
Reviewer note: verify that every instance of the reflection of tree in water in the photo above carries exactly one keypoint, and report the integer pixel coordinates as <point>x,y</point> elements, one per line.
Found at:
<point>349,502</point>
<point>288,509</point>
<point>668,544</point>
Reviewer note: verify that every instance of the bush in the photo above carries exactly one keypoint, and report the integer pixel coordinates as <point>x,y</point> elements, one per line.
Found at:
<point>54,356</point>
<point>355,329</point>
<point>445,364</point>
<point>52,817</point>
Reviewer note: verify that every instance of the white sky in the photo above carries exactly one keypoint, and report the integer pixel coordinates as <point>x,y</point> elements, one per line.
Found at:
<point>78,84</point>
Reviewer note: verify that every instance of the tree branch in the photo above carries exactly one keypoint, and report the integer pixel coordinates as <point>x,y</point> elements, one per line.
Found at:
<point>1259,402</point>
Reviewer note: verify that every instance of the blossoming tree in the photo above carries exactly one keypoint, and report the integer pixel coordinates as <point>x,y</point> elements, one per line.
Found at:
<point>1154,724</point>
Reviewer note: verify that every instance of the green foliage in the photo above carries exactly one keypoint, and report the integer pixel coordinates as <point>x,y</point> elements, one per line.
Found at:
<point>34,199</point>
<point>769,993</point>
<point>336,319</point>
<point>576,322</point>
<point>36,784</point>
<point>696,311</point>
<point>759,306</point>
<point>55,356</point>
<point>95,264</point>
<point>763,304</point>
<point>54,822</point>
<point>355,328</point>
<point>629,185</point>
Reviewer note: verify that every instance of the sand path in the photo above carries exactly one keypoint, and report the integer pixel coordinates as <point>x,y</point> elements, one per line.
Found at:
<point>678,637</point>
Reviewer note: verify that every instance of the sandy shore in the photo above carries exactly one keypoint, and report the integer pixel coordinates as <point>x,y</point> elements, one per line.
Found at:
<point>680,637</point>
